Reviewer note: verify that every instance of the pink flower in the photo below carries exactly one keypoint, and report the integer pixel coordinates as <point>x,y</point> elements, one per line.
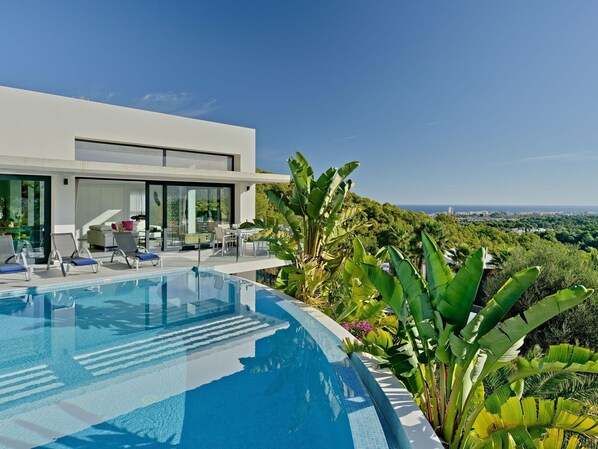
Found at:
<point>359,329</point>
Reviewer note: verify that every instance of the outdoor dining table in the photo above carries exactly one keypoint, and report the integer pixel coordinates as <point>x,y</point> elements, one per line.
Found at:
<point>239,233</point>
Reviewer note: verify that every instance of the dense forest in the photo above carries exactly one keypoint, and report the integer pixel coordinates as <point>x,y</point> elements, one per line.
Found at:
<point>579,230</point>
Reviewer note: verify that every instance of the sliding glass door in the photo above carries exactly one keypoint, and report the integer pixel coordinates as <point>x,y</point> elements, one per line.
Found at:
<point>25,214</point>
<point>188,213</point>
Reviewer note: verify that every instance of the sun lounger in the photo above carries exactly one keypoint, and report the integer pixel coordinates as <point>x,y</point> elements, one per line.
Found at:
<point>128,249</point>
<point>9,261</point>
<point>65,252</point>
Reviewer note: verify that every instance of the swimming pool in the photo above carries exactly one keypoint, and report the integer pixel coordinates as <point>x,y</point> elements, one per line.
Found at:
<point>191,359</point>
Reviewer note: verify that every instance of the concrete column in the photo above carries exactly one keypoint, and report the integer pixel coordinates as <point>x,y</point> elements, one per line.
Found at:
<point>191,225</point>
<point>63,203</point>
<point>245,204</point>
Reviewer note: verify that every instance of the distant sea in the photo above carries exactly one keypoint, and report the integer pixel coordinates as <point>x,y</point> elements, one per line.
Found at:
<point>442,208</point>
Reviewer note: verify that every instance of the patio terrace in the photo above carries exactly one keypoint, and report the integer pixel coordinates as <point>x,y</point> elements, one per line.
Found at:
<point>180,259</point>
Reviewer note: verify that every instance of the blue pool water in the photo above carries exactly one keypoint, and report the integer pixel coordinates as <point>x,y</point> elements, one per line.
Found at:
<point>192,359</point>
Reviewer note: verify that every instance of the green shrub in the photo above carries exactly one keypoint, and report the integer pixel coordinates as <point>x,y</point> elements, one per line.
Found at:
<point>562,266</point>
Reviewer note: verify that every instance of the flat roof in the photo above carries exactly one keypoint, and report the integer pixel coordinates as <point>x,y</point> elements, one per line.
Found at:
<point>86,102</point>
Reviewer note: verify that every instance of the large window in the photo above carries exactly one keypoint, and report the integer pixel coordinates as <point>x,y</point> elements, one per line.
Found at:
<point>25,213</point>
<point>186,159</point>
<point>157,157</point>
<point>192,212</point>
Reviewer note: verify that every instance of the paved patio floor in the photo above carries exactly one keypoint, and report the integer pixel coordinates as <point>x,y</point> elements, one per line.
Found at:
<point>179,259</point>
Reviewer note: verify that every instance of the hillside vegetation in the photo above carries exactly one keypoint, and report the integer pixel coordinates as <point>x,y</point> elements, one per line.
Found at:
<point>479,376</point>
<point>562,264</point>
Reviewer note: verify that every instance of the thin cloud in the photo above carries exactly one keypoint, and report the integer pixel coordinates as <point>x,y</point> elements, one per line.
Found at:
<point>208,106</point>
<point>354,136</point>
<point>177,103</point>
<point>551,157</point>
<point>165,98</point>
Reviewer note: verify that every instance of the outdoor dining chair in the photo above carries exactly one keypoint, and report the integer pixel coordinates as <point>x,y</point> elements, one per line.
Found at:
<point>224,239</point>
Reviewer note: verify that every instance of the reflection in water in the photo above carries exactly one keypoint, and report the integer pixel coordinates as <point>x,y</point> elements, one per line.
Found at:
<point>291,360</point>
<point>187,360</point>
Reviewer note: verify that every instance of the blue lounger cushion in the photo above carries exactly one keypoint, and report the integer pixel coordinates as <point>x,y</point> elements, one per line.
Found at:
<point>12,268</point>
<point>79,262</point>
<point>147,256</point>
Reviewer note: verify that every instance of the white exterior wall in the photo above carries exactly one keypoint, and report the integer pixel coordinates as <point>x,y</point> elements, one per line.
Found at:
<point>63,203</point>
<point>37,125</point>
<point>46,126</point>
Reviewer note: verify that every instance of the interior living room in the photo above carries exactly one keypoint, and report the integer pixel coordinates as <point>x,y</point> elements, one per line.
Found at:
<point>160,216</point>
<point>103,206</point>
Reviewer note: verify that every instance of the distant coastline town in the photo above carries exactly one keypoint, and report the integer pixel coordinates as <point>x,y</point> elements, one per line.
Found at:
<point>501,211</point>
<point>572,225</point>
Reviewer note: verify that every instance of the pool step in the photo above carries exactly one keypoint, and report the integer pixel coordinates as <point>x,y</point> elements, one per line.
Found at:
<point>187,311</point>
<point>28,382</point>
<point>168,344</point>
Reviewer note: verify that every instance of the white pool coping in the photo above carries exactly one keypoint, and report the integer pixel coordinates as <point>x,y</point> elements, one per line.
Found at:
<point>404,417</point>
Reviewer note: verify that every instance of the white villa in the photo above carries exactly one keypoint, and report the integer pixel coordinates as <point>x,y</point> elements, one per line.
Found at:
<point>72,165</point>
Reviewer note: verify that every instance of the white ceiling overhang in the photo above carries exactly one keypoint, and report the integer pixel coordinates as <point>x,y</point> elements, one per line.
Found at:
<point>28,165</point>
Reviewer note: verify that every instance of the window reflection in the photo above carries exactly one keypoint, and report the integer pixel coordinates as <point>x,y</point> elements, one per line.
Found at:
<point>155,157</point>
<point>23,211</point>
<point>194,211</point>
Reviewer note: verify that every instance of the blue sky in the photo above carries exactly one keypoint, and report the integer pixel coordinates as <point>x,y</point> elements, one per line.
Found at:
<point>461,102</point>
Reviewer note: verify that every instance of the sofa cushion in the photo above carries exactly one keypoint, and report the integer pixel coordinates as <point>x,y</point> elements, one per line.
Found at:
<point>100,228</point>
<point>128,225</point>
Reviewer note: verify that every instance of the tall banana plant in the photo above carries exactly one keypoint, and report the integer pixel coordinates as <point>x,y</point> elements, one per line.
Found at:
<point>443,354</point>
<point>319,227</point>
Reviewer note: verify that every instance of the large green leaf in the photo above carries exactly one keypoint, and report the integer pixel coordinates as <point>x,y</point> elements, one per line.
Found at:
<point>281,206</point>
<point>301,171</point>
<point>498,397</point>
<point>372,309</point>
<point>466,346</point>
<point>506,334</point>
<point>455,305</point>
<point>444,349</point>
<point>403,360</point>
<point>560,358</point>
<point>389,287</point>
<point>350,345</point>
<point>532,418</point>
<point>359,251</point>
<point>359,302</point>
<point>343,226</point>
<point>495,310</point>
<point>338,200</point>
<point>302,174</point>
<point>325,187</point>
<point>321,193</point>
<point>286,279</point>
<point>438,272</point>
<point>348,168</point>
<point>343,311</point>
<point>416,294</point>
